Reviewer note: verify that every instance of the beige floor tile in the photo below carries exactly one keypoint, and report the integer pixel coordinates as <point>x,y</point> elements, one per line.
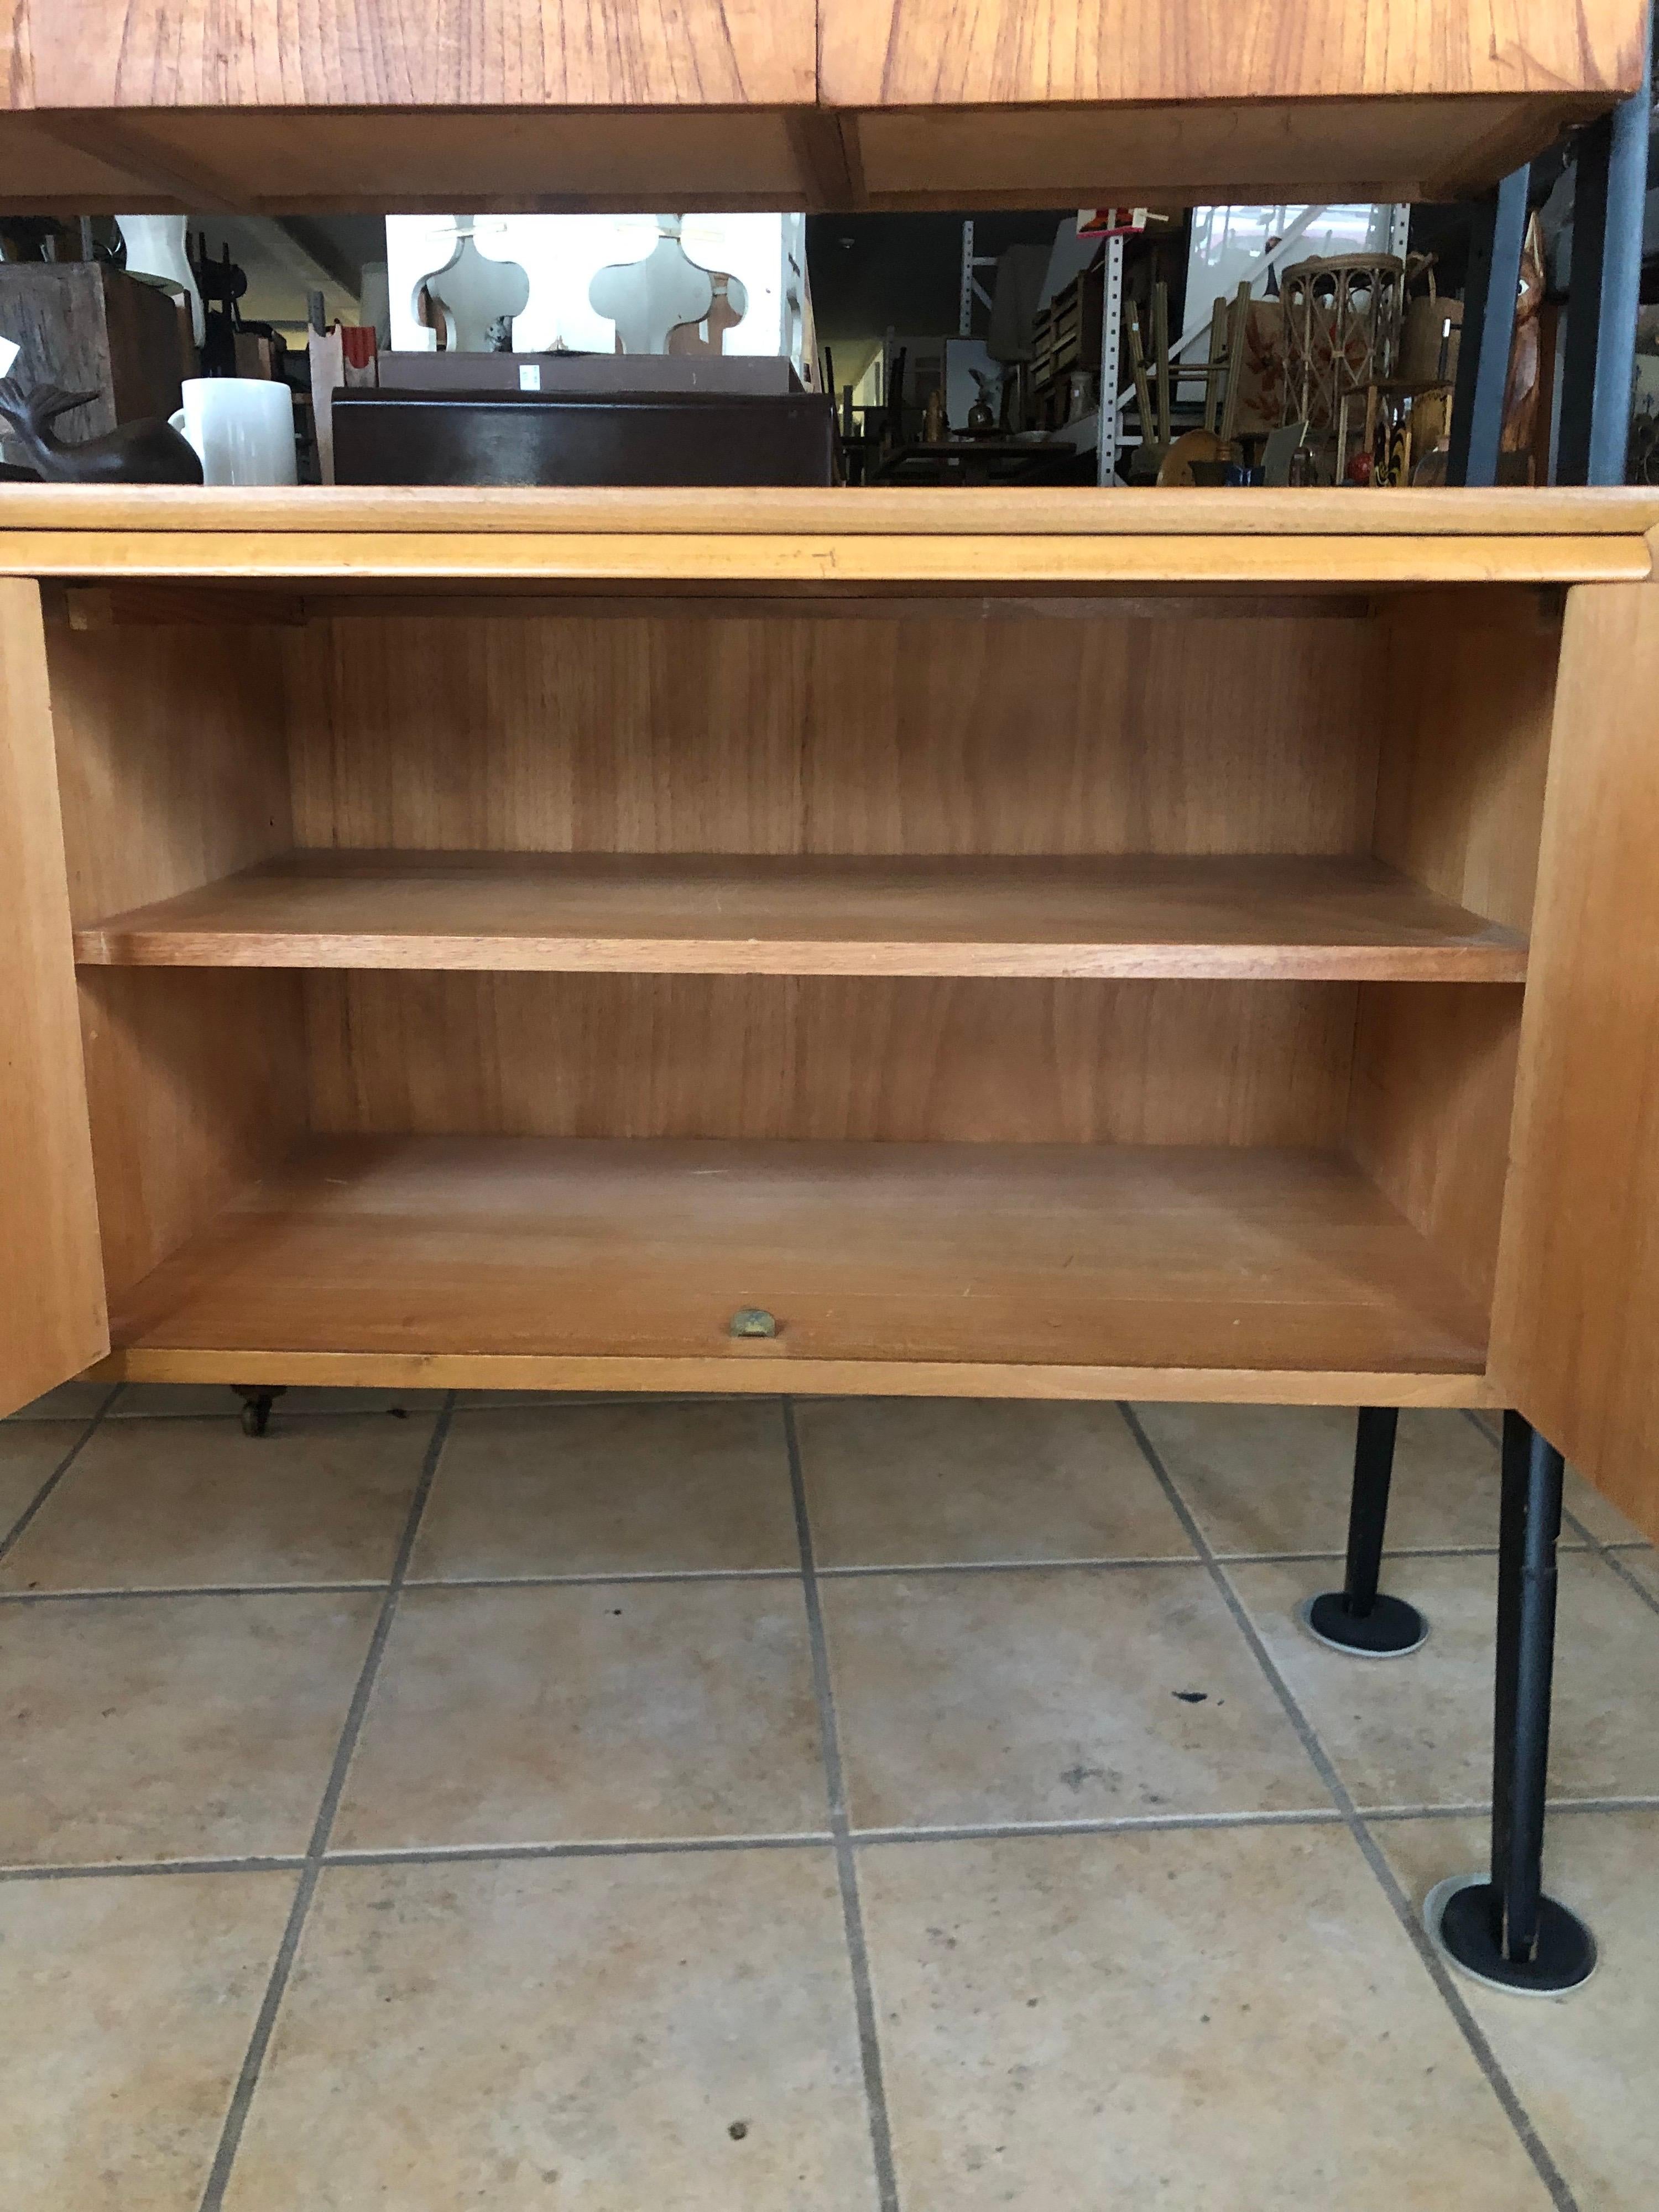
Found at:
<point>128,2006</point>
<point>1278,1478</point>
<point>1645,1565</point>
<point>1599,1514</point>
<point>917,1481</point>
<point>594,1712</point>
<point>28,1452</point>
<point>71,1401</point>
<point>139,1399</point>
<point>163,1503</point>
<point>1585,2067</point>
<point>610,1488</point>
<point>1418,1731</point>
<point>171,1727</point>
<point>1231,2021</point>
<point>1052,1693</point>
<point>580,2032</point>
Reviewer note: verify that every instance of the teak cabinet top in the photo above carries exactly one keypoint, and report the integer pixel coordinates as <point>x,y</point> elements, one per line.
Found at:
<point>573,104</point>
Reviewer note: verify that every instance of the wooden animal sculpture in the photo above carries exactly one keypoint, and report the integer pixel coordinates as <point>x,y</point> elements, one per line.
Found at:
<point>148,452</point>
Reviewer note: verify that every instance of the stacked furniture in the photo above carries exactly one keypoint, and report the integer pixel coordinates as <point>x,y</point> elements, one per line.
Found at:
<point>1058,943</point>
<point>591,104</point>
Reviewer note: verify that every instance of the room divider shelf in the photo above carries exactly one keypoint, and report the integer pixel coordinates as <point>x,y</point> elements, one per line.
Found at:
<point>1295,917</point>
<point>997,1269</point>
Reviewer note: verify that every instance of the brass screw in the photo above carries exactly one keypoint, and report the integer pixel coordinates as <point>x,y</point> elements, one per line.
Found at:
<point>753,1320</point>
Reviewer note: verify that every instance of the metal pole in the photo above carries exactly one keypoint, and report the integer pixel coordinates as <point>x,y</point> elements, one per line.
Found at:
<point>1625,202</point>
<point>1530,1524</point>
<point>1360,1618</point>
<point>1111,327</point>
<point>1367,1509</point>
<point>1483,354</point>
<point>1506,1931</point>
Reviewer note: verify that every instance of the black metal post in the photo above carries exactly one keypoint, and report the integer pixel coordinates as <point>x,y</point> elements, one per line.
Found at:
<point>1358,1618</point>
<point>1488,329</point>
<point>1506,1930</point>
<point>1598,360</point>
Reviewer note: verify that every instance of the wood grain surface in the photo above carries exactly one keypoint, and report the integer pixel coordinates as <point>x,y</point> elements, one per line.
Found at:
<point>415,54</point>
<point>1277,917</point>
<point>51,1289</point>
<point>1576,1316</point>
<point>1046,1259</point>
<point>974,52</point>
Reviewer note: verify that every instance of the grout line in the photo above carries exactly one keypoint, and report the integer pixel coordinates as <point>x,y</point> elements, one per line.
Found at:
<point>602,1575</point>
<point>282,1966</point>
<point>105,1869</point>
<point>56,1476</point>
<point>185,1590</point>
<point>1609,1554</point>
<point>1520,2119</point>
<point>1125,1824</point>
<point>1485,1426</point>
<point>648,1847</point>
<point>1389,1551</point>
<point>875,2094</point>
<point>996,1567</point>
<point>1481,1808</point>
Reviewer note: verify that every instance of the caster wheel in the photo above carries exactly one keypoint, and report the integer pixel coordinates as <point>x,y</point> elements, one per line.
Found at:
<point>257,1399</point>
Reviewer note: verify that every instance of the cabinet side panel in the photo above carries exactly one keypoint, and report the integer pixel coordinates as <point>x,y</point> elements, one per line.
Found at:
<point>51,1288</point>
<point>873,1058</point>
<point>172,747</point>
<point>1469,696</point>
<point>1429,1116</point>
<point>787,734</point>
<point>1575,1318</point>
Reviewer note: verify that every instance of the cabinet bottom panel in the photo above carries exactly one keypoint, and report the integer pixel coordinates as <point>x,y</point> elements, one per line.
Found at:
<point>1036,1270</point>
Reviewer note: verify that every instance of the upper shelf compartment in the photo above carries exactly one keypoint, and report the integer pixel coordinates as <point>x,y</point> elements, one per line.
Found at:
<point>596,104</point>
<point>1283,917</point>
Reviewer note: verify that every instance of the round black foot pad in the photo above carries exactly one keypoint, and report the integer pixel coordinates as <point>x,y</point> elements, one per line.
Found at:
<point>1457,1915</point>
<point>1389,1630</point>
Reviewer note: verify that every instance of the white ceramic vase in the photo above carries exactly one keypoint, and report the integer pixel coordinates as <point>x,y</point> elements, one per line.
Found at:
<point>155,248</point>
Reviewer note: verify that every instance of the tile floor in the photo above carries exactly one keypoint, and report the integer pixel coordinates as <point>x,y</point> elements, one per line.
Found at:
<point>723,1806</point>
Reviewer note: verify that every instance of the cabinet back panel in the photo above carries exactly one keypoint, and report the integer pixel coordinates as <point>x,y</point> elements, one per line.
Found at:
<point>783,733</point>
<point>883,1058</point>
<point>1470,692</point>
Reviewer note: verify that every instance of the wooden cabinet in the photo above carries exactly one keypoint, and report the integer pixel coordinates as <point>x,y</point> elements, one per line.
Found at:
<point>1063,944</point>
<point>531,104</point>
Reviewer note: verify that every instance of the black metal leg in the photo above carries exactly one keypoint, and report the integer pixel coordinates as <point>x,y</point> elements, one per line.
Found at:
<point>1488,330</point>
<point>1604,283</point>
<point>256,1397</point>
<point>1359,1618</point>
<point>1506,1930</point>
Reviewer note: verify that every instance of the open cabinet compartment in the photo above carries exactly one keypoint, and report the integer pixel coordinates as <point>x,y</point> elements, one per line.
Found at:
<point>1021,995</point>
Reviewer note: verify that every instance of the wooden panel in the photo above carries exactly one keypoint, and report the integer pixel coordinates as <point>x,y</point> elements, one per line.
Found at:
<point>1470,693</point>
<point>520,161</point>
<point>781,565</point>
<point>1047,1258</point>
<point>1576,1319</point>
<point>197,1084</point>
<point>173,756</point>
<point>891,1060</point>
<point>1429,1117</point>
<point>691,914</point>
<point>420,53</point>
<point>173,763</point>
<point>52,1289</point>
<point>1262,148</point>
<point>776,512</point>
<point>919,53</point>
<point>783,735</point>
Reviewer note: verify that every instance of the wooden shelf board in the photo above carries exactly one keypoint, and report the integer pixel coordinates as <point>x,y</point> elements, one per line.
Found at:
<point>1289,917</point>
<point>1036,1270</point>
